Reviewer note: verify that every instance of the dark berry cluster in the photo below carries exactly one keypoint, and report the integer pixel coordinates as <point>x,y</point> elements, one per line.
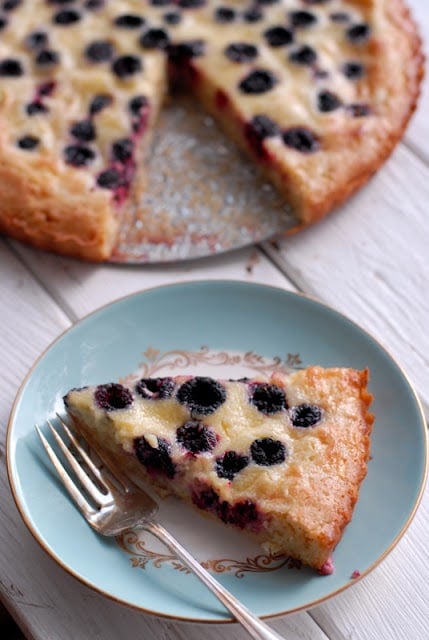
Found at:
<point>242,514</point>
<point>241,52</point>
<point>155,388</point>
<point>259,129</point>
<point>156,459</point>
<point>267,452</point>
<point>267,398</point>
<point>181,53</point>
<point>202,395</point>
<point>113,396</point>
<point>301,139</point>
<point>305,415</point>
<point>231,463</point>
<point>196,437</point>
<point>258,81</point>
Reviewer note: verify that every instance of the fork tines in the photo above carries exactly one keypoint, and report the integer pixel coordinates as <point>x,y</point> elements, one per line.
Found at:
<point>96,492</point>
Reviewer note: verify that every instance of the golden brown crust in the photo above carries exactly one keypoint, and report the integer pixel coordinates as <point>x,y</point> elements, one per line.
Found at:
<point>67,219</point>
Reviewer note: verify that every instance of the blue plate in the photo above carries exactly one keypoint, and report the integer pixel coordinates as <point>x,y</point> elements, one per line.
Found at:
<point>214,328</point>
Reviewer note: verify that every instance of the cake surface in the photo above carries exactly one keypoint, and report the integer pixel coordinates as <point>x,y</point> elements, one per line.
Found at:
<point>280,459</point>
<point>317,92</point>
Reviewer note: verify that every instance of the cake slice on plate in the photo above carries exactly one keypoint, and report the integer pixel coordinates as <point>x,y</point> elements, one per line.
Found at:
<point>281,459</point>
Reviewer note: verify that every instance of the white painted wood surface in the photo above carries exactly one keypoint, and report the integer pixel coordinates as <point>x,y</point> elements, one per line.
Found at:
<point>370,261</point>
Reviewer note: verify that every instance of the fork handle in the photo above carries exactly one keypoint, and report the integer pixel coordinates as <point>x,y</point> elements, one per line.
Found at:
<point>256,628</point>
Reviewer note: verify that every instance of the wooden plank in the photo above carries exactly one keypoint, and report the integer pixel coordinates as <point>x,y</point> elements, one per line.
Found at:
<point>417,135</point>
<point>370,261</point>
<point>79,287</point>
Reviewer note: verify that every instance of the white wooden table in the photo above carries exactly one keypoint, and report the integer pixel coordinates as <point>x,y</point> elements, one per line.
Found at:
<point>370,260</point>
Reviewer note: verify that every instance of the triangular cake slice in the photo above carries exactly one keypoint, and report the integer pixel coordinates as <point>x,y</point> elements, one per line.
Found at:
<point>282,459</point>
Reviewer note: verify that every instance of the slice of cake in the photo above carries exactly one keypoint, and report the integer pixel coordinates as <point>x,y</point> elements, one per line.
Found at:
<point>282,460</point>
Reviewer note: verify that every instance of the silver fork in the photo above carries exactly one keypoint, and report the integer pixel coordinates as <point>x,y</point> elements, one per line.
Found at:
<point>112,504</point>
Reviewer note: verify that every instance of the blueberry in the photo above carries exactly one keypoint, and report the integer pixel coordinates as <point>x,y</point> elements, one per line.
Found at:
<point>180,53</point>
<point>196,437</point>
<point>258,81</point>
<point>155,388</point>
<point>202,395</point>
<point>267,398</point>
<point>129,21</point>
<point>254,14</point>
<point>34,108</point>
<point>241,52</point>
<point>191,4</point>
<point>11,68</point>
<point>155,459</point>
<point>358,33</point>
<point>99,102</point>
<point>93,5</point>
<point>224,14</point>
<point>10,5</point>
<point>301,139</point>
<point>3,22</point>
<point>305,415</point>
<point>47,58</point>
<point>267,452</point>
<point>359,110</point>
<point>278,36</point>
<point>137,103</point>
<point>328,101</point>
<point>304,55</point>
<point>353,70</point>
<point>46,88</point>
<point>127,65</point>
<point>155,39</point>
<point>83,130</point>
<point>302,19</point>
<point>28,143</point>
<point>113,396</point>
<point>172,17</point>
<point>78,156</point>
<point>230,464</point>
<point>99,51</point>
<point>339,16</point>
<point>36,39</point>
<point>109,179</point>
<point>160,3</point>
<point>267,2</point>
<point>206,498</point>
<point>259,128</point>
<point>66,17</point>
<point>241,514</point>
<point>122,149</point>
<point>263,127</point>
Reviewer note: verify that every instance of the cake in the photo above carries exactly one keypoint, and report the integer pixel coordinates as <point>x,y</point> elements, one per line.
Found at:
<point>280,459</point>
<point>317,92</point>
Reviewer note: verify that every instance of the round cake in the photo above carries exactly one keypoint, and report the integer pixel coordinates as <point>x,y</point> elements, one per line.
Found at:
<point>317,92</point>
